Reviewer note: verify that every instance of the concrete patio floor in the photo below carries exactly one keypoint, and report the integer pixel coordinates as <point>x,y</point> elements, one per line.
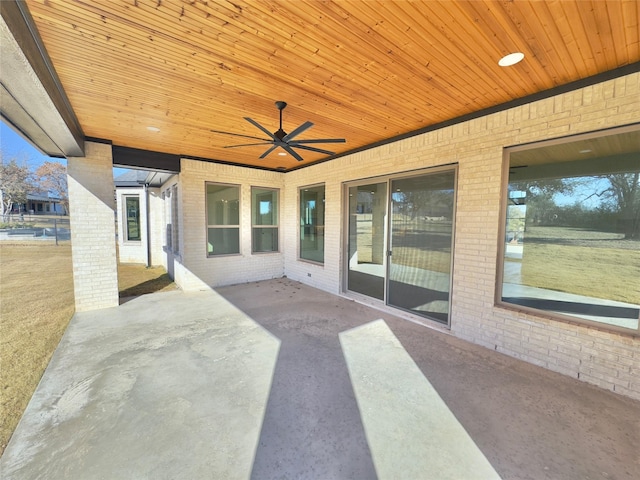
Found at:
<point>279,380</point>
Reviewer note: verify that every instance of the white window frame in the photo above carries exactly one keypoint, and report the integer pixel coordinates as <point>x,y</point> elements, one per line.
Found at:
<point>125,219</point>
<point>208,226</point>
<point>275,226</point>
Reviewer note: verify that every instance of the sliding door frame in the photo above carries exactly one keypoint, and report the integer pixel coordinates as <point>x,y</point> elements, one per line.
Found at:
<point>387,241</point>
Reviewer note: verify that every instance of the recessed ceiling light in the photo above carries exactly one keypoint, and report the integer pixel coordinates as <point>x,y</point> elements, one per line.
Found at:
<point>282,154</point>
<point>153,129</point>
<point>511,59</point>
<point>586,150</point>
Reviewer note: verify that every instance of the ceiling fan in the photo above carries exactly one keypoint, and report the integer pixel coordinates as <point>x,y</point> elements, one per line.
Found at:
<point>282,139</point>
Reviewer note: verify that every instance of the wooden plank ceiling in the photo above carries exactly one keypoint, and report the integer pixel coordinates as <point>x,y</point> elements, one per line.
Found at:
<point>365,71</point>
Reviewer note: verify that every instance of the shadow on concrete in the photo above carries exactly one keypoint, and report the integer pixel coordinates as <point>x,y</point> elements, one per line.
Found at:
<point>312,426</point>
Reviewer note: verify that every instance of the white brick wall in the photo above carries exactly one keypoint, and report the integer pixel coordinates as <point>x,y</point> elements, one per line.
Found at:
<point>93,240</point>
<point>161,200</point>
<point>157,227</point>
<point>609,360</point>
<point>606,359</point>
<point>196,269</point>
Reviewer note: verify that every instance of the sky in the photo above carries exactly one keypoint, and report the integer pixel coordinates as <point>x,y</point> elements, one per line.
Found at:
<point>14,146</point>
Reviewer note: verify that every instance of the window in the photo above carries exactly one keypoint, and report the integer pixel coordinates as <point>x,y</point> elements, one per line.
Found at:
<point>174,216</point>
<point>312,223</point>
<point>264,220</point>
<point>223,219</point>
<point>572,229</point>
<point>132,218</point>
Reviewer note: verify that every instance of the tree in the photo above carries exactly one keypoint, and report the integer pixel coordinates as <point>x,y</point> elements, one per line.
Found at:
<point>15,183</point>
<point>52,178</point>
<point>541,206</point>
<point>625,191</point>
<point>619,198</point>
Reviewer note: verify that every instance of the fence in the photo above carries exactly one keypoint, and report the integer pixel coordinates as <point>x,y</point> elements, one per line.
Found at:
<point>35,227</point>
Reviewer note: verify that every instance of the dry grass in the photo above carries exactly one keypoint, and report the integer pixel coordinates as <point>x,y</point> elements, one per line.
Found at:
<point>584,262</point>
<point>608,273</point>
<point>36,304</point>
<point>432,260</point>
<point>134,280</point>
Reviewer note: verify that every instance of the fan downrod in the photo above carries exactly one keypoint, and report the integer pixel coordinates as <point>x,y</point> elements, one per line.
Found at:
<point>280,134</point>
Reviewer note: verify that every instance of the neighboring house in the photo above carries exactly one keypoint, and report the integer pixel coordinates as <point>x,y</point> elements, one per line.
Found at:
<point>40,204</point>
<point>431,222</point>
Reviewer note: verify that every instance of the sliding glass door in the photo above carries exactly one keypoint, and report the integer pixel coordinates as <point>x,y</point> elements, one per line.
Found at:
<point>421,244</point>
<point>400,241</point>
<point>367,219</point>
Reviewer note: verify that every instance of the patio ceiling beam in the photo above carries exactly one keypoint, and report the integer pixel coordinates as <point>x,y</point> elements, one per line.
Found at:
<point>145,159</point>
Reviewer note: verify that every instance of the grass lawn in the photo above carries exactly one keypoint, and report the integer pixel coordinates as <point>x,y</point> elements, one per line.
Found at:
<point>36,304</point>
<point>571,260</point>
<point>611,273</point>
<point>591,263</point>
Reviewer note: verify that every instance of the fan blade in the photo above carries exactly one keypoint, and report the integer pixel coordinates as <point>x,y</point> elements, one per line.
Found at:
<point>271,149</point>
<point>239,135</point>
<point>312,149</point>
<point>297,131</point>
<point>248,145</point>
<point>264,130</point>
<point>290,151</point>
<point>322,140</point>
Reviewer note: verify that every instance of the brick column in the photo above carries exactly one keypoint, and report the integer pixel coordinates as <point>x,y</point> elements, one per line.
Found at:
<point>93,240</point>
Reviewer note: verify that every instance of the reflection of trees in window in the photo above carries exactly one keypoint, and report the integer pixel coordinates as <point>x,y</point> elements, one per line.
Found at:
<point>624,195</point>
<point>416,200</point>
<point>572,230</point>
<point>538,196</point>
<point>606,202</point>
